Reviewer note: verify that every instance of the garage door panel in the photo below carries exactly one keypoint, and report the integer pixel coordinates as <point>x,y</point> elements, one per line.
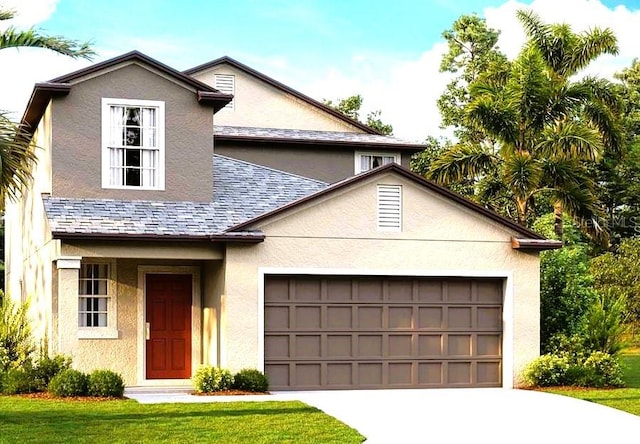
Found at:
<point>340,374</point>
<point>369,317</point>
<point>340,317</point>
<point>308,318</point>
<point>400,291</point>
<point>431,317</point>
<point>370,374</point>
<point>490,318</point>
<point>459,317</point>
<point>307,346</point>
<point>307,290</point>
<point>339,290</point>
<point>400,346</point>
<point>277,346</point>
<point>374,332</point>
<point>430,345</point>
<point>400,317</point>
<point>369,290</point>
<point>276,317</point>
<point>339,346</point>
<point>370,346</point>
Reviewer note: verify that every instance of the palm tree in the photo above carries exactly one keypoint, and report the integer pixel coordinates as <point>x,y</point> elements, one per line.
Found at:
<point>540,128</point>
<point>16,156</point>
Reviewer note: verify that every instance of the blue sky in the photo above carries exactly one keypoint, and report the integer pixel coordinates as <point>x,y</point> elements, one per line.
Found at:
<point>387,51</point>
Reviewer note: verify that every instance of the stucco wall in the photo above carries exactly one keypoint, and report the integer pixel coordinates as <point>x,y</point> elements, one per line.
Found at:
<point>29,249</point>
<point>322,163</point>
<point>338,233</point>
<point>259,104</point>
<point>77,136</point>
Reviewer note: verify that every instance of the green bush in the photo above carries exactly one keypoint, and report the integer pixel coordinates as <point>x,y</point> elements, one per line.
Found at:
<point>105,383</point>
<point>16,345</point>
<point>606,327</point>
<point>48,367</point>
<point>18,380</point>
<point>251,380</point>
<point>212,379</point>
<point>67,383</point>
<point>603,370</point>
<point>547,370</point>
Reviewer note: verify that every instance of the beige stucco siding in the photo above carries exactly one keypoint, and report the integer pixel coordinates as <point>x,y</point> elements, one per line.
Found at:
<point>258,104</point>
<point>338,235</point>
<point>77,136</point>
<point>29,247</point>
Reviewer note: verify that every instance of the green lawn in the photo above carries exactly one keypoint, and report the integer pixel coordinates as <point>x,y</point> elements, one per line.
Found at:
<point>627,399</point>
<point>51,421</point>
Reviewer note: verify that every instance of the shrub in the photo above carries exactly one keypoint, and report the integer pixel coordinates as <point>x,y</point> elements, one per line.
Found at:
<point>16,345</point>
<point>606,325</point>
<point>212,379</point>
<point>251,380</point>
<point>47,368</point>
<point>603,370</point>
<point>67,383</point>
<point>18,380</point>
<point>547,370</point>
<point>105,383</point>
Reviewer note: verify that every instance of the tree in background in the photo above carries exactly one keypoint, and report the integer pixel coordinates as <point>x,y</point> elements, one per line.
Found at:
<point>538,129</point>
<point>472,50</point>
<point>16,157</point>
<point>350,107</point>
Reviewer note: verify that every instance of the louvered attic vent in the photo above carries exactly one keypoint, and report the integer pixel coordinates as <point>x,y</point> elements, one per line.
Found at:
<point>389,207</point>
<point>225,83</point>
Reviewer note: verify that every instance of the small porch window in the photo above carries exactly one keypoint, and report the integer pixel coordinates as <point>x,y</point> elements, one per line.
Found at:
<point>96,301</point>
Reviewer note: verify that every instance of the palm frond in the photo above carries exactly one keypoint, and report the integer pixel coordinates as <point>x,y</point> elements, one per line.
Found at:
<point>16,158</point>
<point>523,174</point>
<point>7,14</point>
<point>13,38</point>
<point>570,139</point>
<point>461,162</point>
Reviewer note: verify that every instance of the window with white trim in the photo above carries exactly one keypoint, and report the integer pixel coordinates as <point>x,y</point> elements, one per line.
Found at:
<point>389,207</point>
<point>93,295</point>
<point>225,83</point>
<point>96,301</point>
<point>368,161</point>
<point>133,144</point>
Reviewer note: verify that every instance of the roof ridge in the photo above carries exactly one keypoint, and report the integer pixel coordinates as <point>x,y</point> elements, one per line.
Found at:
<point>320,182</point>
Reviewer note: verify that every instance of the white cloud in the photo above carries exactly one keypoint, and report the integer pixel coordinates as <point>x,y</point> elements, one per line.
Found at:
<point>28,12</point>
<point>406,90</point>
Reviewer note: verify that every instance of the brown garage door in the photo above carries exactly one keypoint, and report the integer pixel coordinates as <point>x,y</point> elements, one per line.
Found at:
<point>336,332</point>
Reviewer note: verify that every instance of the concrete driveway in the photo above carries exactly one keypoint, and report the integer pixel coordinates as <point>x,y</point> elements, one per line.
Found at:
<point>472,416</point>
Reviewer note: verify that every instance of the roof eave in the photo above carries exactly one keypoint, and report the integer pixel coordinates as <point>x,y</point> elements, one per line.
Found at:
<point>535,244</point>
<point>231,238</point>
<point>40,97</point>
<point>215,99</point>
<point>300,141</point>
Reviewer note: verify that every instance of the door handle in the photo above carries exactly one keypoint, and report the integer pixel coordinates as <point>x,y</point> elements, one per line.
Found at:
<point>147,331</point>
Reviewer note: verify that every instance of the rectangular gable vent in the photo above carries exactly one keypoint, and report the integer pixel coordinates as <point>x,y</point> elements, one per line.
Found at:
<point>389,207</point>
<point>225,83</point>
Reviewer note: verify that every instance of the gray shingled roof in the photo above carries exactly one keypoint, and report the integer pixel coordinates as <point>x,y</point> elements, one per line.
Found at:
<point>311,136</point>
<point>241,191</point>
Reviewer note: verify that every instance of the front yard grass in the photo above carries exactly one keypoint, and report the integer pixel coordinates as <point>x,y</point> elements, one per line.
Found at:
<point>626,399</point>
<point>126,421</point>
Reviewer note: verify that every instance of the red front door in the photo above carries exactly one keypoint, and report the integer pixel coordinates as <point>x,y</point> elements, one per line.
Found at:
<point>168,326</point>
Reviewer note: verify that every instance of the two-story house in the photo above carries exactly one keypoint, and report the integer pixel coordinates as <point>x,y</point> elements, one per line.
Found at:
<point>216,216</point>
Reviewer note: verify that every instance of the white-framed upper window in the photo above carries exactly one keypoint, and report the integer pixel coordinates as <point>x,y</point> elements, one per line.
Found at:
<point>225,83</point>
<point>133,144</point>
<point>365,161</point>
<point>97,315</point>
<point>389,207</point>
